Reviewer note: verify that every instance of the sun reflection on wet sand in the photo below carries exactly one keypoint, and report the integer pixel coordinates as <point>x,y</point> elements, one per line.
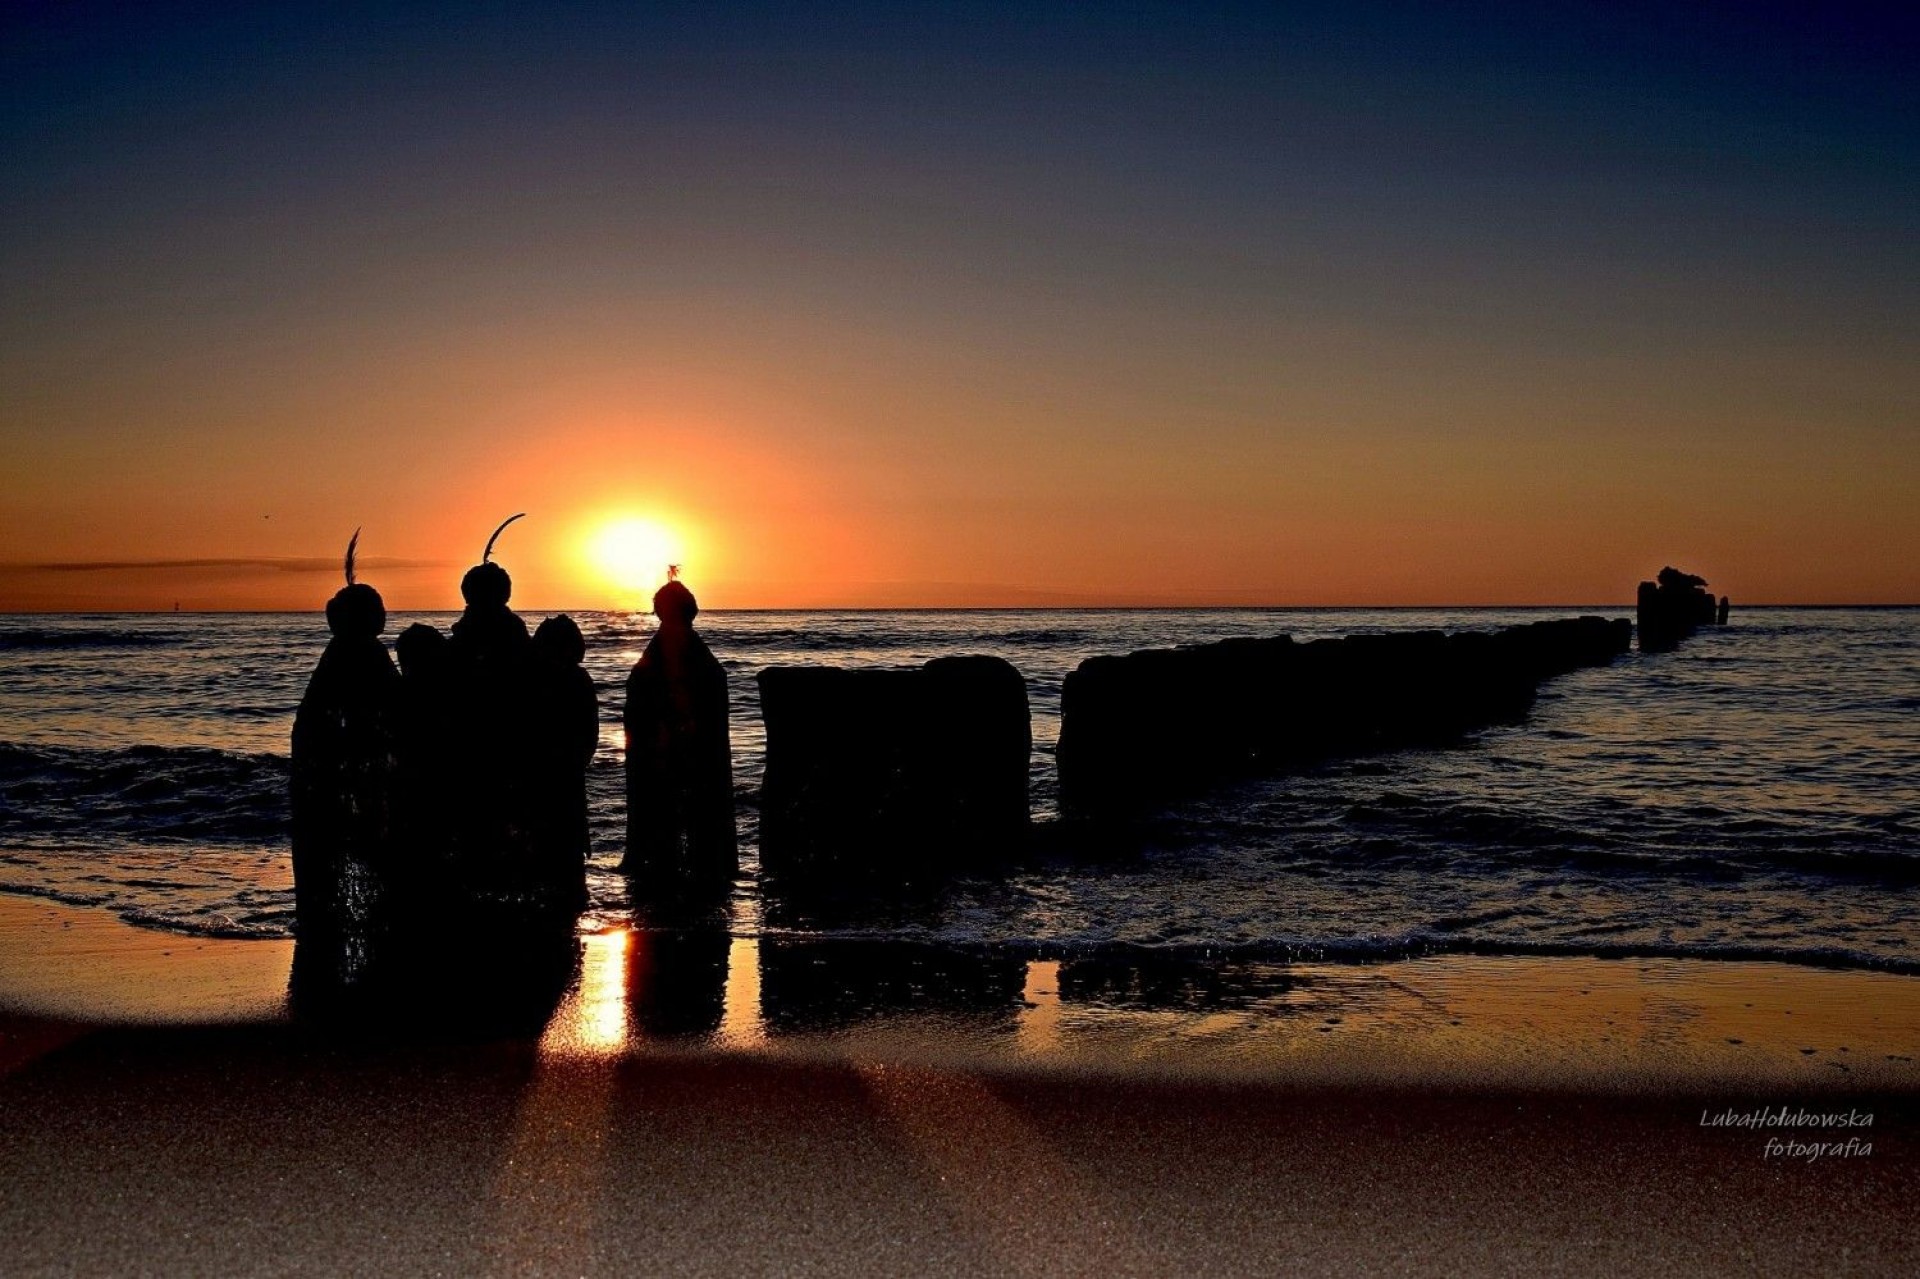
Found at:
<point>639,988</point>
<point>592,1019</point>
<point>548,1181</point>
<point>742,1026</point>
<point>1038,1030</point>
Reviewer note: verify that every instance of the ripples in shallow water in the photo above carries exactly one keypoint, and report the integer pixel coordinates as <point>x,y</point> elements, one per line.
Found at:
<point>1756,793</point>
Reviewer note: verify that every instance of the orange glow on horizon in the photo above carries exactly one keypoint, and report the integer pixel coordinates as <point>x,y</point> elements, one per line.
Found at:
<point>818,501</point>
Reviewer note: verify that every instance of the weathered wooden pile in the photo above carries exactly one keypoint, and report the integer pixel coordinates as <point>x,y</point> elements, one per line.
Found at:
<point>903,771</point>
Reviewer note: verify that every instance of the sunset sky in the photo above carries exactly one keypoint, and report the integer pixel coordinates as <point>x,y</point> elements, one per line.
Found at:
<point>959,304</point>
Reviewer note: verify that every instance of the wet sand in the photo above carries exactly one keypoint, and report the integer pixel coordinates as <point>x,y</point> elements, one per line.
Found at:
<point>65,963</point>
<point>933,1143</point>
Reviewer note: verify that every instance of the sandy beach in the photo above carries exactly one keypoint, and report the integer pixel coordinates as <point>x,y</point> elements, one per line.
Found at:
<point>246,1140</point>
<point>256,1149</point>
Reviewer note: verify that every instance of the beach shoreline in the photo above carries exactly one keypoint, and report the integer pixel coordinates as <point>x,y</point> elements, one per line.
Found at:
<point>190,1116</point>
<point>1600,1026</point>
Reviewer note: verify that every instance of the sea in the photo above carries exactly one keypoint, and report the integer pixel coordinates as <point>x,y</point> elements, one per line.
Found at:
<point>1753,795</point>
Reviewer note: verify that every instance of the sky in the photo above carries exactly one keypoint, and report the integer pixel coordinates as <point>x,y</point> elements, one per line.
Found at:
<point>941,305</point>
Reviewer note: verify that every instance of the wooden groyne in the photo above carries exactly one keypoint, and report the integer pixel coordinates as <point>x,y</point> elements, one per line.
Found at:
<point>894,773</point>
<point>1153,724</point>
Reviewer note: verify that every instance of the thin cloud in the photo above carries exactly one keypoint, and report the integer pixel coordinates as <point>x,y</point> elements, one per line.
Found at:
<point>330,564</point>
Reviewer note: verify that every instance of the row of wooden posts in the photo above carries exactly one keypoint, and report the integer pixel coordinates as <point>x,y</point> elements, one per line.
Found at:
<point>476,760</point>
<point>900,772</point>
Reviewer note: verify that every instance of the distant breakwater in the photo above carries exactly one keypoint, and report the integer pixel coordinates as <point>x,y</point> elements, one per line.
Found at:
<point>1673,606</point>
<point>1152,725</point>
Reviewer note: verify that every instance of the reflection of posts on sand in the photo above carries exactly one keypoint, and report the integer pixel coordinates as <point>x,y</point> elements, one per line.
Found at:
<point>829,985</point>
<point>677,980</point>
<point>343,772</point>
<point>489,974</point>
<point>1146,982</point>
<point>680,820</point>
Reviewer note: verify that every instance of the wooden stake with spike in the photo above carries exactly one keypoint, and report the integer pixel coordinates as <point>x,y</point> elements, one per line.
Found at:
<point>487,556</point>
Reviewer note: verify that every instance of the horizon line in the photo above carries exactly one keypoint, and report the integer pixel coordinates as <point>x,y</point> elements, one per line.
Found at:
<point>942,608</point>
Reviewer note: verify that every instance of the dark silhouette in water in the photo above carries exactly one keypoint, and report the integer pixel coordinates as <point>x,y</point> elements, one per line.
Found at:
<point>680,823</point>
<point>343,770</point>
<point>426,775</point>
<point>1672,607</point>
<point>1725,607</point>
<point>491,739</point>
<point>893,775</point>
<point>1139,728</point>
<point>566,726</point>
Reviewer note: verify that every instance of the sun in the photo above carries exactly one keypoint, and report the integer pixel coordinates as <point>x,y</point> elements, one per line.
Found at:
<point>630,554</point>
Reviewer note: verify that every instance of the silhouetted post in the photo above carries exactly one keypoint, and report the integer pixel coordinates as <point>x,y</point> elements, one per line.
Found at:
<point>488,631</point>
<point>343,769</point>
<point>424,807</point>
<point>1656,630</point>
<point>491,747</point>
<point>1723,610</point>
<point>567,732</point>
<point>893,775</point>
<point>679,753</point>
<point>974,750</point>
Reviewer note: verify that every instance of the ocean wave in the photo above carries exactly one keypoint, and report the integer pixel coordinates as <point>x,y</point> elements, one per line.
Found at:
<point>1128,971</point>
<point>1412,945</point>
<point>845,639</point>
<point>186,917</point>
<point>804,641</point>
<point>38,640</point>
<point>145,792</point>
<point>1700,842</point>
